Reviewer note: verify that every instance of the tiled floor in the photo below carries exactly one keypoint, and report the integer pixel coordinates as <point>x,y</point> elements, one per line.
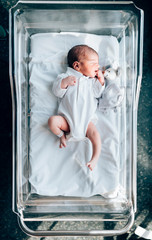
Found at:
<point>8,221</point>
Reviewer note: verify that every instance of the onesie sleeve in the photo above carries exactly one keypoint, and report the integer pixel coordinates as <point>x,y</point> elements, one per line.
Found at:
<point>97,88</point>
<point>57,90</point>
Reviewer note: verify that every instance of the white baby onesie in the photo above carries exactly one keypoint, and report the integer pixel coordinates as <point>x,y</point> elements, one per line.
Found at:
<point>78,103</point>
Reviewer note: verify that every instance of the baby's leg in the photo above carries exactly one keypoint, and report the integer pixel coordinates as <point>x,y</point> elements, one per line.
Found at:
<point>94,137</point>
<point>57,124</point>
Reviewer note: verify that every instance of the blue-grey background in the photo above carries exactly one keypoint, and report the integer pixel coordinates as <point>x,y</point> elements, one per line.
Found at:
<point>9,228</point>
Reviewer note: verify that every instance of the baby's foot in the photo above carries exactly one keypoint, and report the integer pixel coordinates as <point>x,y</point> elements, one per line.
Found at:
<point>62,141</point>
<point>92,163</point>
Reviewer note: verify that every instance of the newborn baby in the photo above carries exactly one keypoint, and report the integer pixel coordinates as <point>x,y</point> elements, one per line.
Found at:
<point>78,89</point>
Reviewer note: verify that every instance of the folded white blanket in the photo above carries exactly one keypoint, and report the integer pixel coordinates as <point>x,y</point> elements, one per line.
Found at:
<point>63,172</point>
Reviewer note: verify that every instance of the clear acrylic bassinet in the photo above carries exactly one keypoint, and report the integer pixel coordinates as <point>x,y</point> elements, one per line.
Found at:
<point>60,214</point>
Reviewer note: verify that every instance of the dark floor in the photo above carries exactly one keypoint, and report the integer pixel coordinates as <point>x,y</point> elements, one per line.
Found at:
<point>9,228</point>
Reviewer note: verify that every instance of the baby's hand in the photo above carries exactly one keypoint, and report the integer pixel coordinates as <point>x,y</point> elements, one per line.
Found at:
<point>100,77</point>
<point>68,81</point>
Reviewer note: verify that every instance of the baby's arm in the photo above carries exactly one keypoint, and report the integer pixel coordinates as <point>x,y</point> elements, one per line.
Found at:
<point>68,81</point>
<point>98,84</point>
<point>100,77</point>
<point>61,83</point>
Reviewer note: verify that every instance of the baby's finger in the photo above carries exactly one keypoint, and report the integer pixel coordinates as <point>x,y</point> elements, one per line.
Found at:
<point>99,73</point>
<point>74,78</point>
<point>73,82</point>
<point>101,81</point>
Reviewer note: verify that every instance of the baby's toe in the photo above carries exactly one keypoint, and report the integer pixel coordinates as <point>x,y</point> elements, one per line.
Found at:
<point>89,166</point>
<point>60,145</point>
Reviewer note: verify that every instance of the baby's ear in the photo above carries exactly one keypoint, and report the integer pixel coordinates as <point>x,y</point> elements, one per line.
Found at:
<point>76,65</point>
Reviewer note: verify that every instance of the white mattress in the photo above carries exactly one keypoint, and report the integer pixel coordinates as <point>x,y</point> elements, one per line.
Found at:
<point>63,172</point>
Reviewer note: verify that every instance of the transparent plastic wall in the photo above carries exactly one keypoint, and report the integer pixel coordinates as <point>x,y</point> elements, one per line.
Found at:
<point>125,22</point>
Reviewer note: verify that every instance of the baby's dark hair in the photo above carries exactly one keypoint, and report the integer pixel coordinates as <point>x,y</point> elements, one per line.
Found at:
<point>77,51</point>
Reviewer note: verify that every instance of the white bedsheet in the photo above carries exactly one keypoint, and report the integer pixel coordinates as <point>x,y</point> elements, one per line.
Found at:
<point>63,172</point>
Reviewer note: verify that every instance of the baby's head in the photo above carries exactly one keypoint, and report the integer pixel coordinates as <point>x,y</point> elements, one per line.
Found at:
<point>84,59</point>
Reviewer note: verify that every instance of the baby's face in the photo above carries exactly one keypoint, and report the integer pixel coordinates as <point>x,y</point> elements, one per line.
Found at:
<point>89,65</point>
